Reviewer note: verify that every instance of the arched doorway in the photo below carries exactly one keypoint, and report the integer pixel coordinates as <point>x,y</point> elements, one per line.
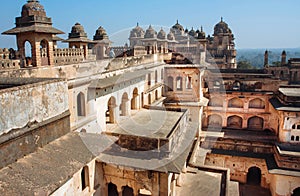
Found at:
<point>127,191</point>
<point>296,192</point>
<point>111,113</point>
<point>134,100</point>
<point>124,107</point>
<point>28,53</point>
<point>112,189</point>
<point>254,176</point>
<point>44,50</point>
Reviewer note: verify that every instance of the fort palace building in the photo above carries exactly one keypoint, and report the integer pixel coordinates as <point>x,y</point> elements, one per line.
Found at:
<point>167,114</point>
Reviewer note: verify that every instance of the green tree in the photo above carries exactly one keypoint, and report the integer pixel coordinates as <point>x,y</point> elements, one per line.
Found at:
<point>244,64</point>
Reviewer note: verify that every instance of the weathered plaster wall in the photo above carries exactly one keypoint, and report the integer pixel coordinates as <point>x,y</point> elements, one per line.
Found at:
<point>32,103</point>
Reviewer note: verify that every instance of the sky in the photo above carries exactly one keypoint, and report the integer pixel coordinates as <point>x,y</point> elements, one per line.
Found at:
<point>255,23</point>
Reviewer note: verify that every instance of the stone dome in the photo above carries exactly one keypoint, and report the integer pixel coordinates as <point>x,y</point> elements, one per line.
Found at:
<point>192,32</point>
<point>171,36</point>
<point>33,7</point>
<point>77,31</point>
<point>100,34</point>
<point>201,34</point>
<point>150,33</point>
<point>178,26</point>
<point>221,27</point>
<point>137,32</point>
<point>161,34</point>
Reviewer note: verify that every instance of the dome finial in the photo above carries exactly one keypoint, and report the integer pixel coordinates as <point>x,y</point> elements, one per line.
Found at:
<point>201,28</point>
<point>221,18</point>
<point>177,22</point>
<point>32,1</point>
<point>137,24</point>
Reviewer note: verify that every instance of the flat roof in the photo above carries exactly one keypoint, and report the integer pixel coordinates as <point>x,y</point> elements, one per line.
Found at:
<point>48,168</point>
<point>149,123</point>
<point>149,160</point>
<point>290,92</point>
<point>281,107</point>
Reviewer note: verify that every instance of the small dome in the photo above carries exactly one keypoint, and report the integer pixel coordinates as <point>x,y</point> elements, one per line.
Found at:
<point>137,32</point>
<point>171,36</point>
<point>161,34</point>
<point>33,7</point>
<point>192,32</point>
<point>100,34</point>
<point>221,27</point>
<point>178,26</point>
<point>77,31</point>
<point>201,34</point>
<point>150,33</point>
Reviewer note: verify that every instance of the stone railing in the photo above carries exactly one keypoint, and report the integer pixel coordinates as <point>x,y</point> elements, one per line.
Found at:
<point>5,60</point>
<point>68,56</point>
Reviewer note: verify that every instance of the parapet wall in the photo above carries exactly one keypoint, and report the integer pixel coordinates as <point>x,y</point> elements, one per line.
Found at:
<point>25,101</point>
<point>67,56</point>
<point>5,60</point>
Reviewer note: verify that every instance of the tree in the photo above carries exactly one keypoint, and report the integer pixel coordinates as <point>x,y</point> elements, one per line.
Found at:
<point>244,64</point>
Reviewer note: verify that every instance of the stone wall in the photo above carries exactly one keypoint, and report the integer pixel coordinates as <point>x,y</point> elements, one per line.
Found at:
<point>31,103</point>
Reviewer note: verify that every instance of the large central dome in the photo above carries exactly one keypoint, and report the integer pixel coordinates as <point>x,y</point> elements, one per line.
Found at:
<point>33,7</point>
<point>221,27</point>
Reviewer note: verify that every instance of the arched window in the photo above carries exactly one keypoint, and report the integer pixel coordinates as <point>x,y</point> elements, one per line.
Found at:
<point>255,123</point>
<point>215,102</point>
<point>235,122</point>
<point>170,83</point>
<point>297,138</point>
<point>112,189</point>
<point>294,126</point>
<point>149,79</point>
<point>235,103</point>
<point>188,82</point>
<point>257,103</point>
<point>254,176</point>
<point>236,86</point>
<point>179,83</point>
<point>80,104</point>
<point>127,191</point>
<point>292,138</point>
<point>85,177</point>
<point>214,120</point>
<point>296,192</point>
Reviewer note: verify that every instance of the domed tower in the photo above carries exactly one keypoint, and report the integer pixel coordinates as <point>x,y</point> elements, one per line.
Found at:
<point>177,29</point>
<point>222,48</point>
<point>36,28</point>
<point>102,44</point>
<point>150,40</point>
<point>136,35</point>
<point>78,38</point>
<point>283,58</point>
<point>162,41</point>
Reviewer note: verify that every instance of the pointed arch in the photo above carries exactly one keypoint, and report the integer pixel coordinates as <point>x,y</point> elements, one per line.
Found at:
<point>235,103</point>
<point>255,123</point>
<point>257,103</point>
<point>235,122</point>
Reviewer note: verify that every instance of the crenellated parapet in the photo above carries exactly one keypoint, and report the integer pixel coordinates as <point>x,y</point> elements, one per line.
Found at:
<point>68,56</point>
<point>7,59</point>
